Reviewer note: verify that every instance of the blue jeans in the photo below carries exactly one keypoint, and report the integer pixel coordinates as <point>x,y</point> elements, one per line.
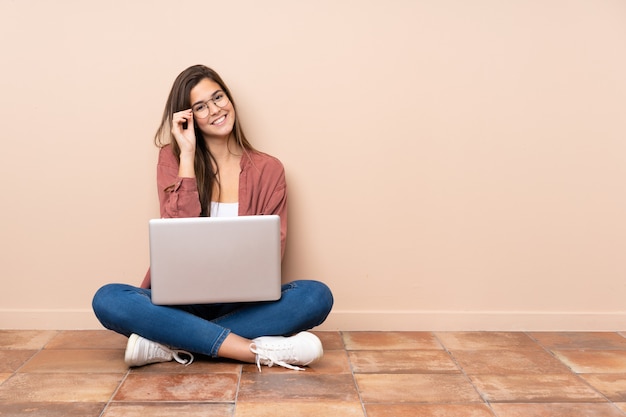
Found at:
<point>202,328</point>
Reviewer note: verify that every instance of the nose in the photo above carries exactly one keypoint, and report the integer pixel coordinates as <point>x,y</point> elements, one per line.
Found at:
<point>213,108</point>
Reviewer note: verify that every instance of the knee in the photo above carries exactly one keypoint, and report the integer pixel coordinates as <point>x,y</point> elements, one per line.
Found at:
<point>325,296</point>
<point>103,297</point>
<point>98,299</point>
<point>319,297</point>
<point>109,301</point>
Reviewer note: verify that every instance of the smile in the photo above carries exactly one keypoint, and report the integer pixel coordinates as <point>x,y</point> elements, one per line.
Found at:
<point>219,120</point>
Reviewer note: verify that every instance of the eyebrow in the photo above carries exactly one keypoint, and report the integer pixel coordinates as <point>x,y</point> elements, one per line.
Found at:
<point>212,95</point>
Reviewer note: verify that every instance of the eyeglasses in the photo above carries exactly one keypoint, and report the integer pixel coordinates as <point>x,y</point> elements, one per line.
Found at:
<point>201,110</point>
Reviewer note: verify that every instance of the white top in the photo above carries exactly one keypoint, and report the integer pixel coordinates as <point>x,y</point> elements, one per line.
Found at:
<point>224,209</point>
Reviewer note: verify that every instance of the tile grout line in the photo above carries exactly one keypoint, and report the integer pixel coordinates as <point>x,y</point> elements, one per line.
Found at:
<point>37,352</point>
<point>467,377</point>
<point>354,381</point>
<point>542,345</point>
<point>117,389</point>
<point>236,399</point>
<point>574,373</point>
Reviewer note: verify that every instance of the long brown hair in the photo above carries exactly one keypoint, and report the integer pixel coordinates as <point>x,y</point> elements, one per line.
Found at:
<point>204,161</point>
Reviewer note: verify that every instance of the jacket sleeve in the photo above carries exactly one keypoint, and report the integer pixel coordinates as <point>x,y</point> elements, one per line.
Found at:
<point>178,197</point>
<point>265,190</point>
<point>277,204</point>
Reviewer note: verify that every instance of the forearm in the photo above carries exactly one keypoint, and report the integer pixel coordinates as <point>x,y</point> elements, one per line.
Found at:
<point>178,194</point>
<point>186,167</point>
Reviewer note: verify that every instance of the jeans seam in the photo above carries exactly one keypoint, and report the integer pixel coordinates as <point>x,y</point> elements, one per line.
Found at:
<point>218,342</point>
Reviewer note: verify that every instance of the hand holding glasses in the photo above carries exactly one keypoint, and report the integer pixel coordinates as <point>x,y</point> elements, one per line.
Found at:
<point>184,136</point>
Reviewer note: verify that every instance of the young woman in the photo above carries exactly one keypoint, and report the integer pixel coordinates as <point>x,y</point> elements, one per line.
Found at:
<point>207,167</point>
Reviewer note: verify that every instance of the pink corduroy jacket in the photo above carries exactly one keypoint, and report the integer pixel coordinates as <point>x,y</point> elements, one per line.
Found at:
<point>262,190</point>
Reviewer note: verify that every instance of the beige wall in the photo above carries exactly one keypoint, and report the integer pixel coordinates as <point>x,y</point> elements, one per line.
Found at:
<point>452,164</point>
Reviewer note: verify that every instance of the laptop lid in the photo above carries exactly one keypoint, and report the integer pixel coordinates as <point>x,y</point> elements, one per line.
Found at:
<point>203,260</point>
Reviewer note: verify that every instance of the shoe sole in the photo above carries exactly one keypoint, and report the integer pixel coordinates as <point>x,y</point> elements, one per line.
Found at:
<point>130,349</point>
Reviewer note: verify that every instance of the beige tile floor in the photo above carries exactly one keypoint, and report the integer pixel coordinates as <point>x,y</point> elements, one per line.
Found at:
<point>365,374</point>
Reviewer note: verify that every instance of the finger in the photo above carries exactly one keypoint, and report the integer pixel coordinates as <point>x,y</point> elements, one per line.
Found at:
<point>189,119</point>
<point>180,119</point>
<point>185,114</point>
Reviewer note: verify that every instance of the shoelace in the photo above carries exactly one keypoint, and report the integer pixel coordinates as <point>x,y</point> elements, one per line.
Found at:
<point>177,358</point>
<point>167,351</point>
<point>265,354</point>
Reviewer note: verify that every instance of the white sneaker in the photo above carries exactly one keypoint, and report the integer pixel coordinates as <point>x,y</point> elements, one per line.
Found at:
<point>301,349</point>
<point>141,351</point>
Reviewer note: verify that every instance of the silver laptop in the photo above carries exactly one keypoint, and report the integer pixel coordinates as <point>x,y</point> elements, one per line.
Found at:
<point>204,260</point>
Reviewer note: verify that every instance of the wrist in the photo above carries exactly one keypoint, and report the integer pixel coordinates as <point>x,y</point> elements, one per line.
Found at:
<point>186,165</point>
<point>187,155</point>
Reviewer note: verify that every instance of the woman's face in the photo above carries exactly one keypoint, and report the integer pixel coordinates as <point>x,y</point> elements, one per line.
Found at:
<point>219,121</point>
